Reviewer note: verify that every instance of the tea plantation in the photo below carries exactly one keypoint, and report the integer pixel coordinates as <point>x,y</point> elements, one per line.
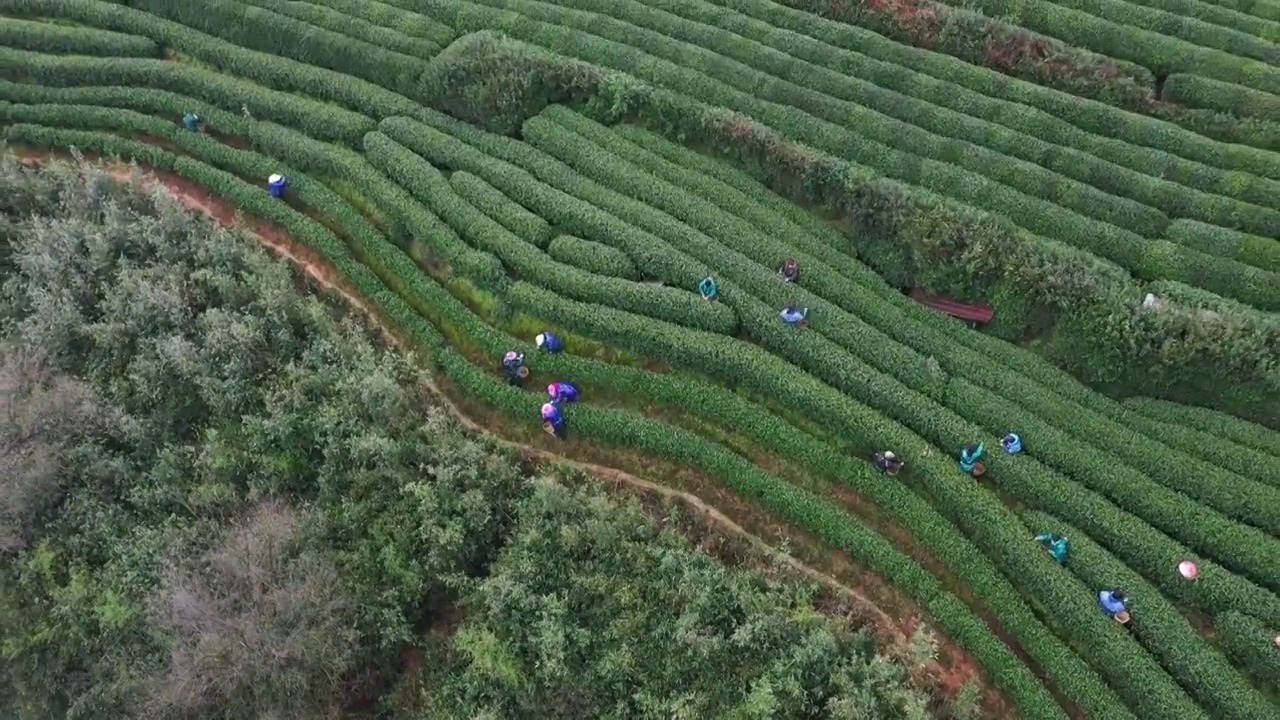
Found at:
<point>1105,175</point>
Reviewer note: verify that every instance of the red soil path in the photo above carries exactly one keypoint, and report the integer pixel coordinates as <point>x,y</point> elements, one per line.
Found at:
<point>959,667</point>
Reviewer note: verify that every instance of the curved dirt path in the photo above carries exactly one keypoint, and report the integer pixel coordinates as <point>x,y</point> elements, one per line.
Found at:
<point>959,671</point>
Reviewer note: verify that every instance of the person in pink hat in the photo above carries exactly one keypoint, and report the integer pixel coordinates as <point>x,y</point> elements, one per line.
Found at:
<point>553,421</point>
<point>513,365</point>
<point>562,392</point>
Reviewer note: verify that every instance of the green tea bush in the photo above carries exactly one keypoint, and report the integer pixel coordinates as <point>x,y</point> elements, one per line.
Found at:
<point>269,32</point>
<point>1202,92</point>
<point>1162,54</point>
<point>845,97</point>
<point>311,117</point>
<point>1190,29</point>
<point>1228,14</point>
<point>65,39</point>
<point>1251,645</point>
<point>437,145</point>
<point>592,256</point>
<point>1260,252</point>
<point>526,225</point>
<point>1062,115</point>
<point>1101,238</point>
<point>272,71</point>
<point>596,163</point>
<point>1215,423</point>
<point>1216,449</point>
<point>917,89</point>
<point>353,26</point>
<point>432,189</point>
<point>1235,496</point>
<point>399,19</point>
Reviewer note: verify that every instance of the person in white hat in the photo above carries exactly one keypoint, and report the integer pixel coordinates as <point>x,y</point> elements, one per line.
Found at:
<point>276,185</point>
<point>549,342</point>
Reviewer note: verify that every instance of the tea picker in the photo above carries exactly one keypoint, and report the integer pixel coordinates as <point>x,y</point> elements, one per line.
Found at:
<point>277,184</point>
<point>887,463</point>
<point>562,392</point>
<point>553,421</point>
<point>794,316</point>
<point>971,460</point>
<point>707,288</point>
<point>549,342</point>
<point>1012,443</point>
<point>1058,547</point>
<point>1114,605</point>
<point>790,271</point>
<point>191,121</point>
<point>513,365</point>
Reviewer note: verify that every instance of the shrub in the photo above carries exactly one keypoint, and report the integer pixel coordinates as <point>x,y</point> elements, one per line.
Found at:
<point>1202,92</point>
<point>282,36</point>
<point>49,38</point>
<point>403,21</point>
<point>1260,252</point>
<point>526,225</point>
<point>354,26</point>
<point>592,256</point>
<point>514,86</point>
<point>1215,423</point>
<point>260,625</point>
<point>1251,646</point>
<point>272,71</point>
<point>313,118</point>
<point>1133,42</point>
<point>1062,116</point>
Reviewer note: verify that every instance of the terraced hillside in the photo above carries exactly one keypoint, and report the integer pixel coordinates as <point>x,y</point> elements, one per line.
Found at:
<point>480,171</point>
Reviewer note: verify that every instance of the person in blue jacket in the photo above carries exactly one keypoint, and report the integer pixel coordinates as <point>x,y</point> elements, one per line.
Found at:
<point>887,463</point>
<point>793,315</point>
<point>191,121</point>
<point>553,420</point>
<point>562,392</point>
<point>513,364</point>
<point>549,342</point>
<point>1114,604</point>
<point>708,288</point>
<point>1057,546</point>
<point>971,459</point>
<point>1012,443</point>
<point>276,185</point>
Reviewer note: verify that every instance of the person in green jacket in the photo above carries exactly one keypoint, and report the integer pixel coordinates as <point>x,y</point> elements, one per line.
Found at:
<point>1057,546</point>
<point>708,288</point>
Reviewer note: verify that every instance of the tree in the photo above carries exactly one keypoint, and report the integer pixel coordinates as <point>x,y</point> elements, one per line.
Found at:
<point>259,626</point>
<point>40,412</point>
